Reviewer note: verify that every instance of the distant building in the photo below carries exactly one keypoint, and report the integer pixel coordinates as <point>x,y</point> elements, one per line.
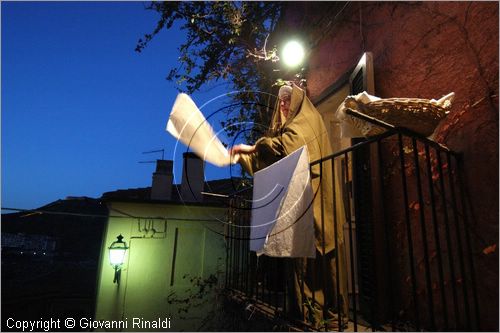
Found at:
<point>28,244</point>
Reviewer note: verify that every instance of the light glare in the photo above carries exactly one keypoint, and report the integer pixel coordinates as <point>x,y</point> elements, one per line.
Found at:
<point>293,54</point>
<point>116,256</point>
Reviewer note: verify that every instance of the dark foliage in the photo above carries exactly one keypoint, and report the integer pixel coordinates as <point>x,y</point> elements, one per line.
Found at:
<point>226,41</point>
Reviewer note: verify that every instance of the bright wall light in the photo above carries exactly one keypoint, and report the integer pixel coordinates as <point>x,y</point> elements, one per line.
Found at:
<point>293,53</point>
<point>117,256</point>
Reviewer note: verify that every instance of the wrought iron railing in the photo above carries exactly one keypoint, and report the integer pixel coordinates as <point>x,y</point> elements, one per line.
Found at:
<point>406,238</point>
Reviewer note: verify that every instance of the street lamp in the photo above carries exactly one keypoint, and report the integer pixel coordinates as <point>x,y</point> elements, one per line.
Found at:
<point>293,53</point>
<point>117,251</point>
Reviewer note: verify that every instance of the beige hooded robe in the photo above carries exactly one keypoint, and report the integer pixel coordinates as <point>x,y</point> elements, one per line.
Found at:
<point>304,126</point>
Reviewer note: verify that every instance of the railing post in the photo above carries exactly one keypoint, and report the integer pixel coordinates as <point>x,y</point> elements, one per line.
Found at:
<point>386,233</point>
<point>448,234</point>
<point>340,308</point>
<point>421,202</point>
<point>351,250</point>
<point>408,230</point>
<point>323,255</point>
<point>230,241</point>
<point>430,176</point>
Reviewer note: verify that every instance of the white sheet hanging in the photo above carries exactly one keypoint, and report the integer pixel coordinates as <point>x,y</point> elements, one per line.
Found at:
<point>282,213</point>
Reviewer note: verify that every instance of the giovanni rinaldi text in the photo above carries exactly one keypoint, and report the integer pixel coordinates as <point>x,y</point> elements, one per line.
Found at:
<point>86,323</point>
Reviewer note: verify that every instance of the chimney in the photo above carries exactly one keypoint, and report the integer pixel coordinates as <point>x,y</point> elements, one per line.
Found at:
<point>193,178</point>
<point>161,188</point>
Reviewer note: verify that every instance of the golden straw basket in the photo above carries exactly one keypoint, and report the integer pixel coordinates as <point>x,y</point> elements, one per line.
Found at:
<point>419,115</point>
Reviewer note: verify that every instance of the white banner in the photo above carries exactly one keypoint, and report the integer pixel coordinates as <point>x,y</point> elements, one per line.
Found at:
<point>187,124</point>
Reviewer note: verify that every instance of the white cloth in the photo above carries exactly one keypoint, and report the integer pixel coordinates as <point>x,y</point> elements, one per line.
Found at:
<point>347,128</point>
<point>282,223</point>
<point>187,124</point>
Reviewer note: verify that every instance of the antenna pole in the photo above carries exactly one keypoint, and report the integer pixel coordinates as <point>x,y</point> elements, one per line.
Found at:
<point>154,151</point>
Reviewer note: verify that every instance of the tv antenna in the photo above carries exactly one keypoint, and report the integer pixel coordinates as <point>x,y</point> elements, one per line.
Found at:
<point>154,151</point>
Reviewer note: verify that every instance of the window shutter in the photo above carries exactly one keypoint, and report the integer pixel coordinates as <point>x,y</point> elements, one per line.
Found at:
<point>362,79</point>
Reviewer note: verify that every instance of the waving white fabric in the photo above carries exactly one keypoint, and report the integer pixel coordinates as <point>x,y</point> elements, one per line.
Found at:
<point>187,124</point>
<point>282,213</point>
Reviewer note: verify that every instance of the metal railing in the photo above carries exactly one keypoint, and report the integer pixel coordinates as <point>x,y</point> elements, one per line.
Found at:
<point>406,238</point>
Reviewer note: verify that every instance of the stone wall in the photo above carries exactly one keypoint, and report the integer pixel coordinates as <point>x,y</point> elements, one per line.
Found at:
<point>425,50</point>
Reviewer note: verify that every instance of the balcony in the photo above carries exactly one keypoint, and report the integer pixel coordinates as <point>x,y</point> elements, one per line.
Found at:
<point>406,241</point>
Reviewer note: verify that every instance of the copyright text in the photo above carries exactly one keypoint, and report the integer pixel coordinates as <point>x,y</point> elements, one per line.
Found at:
<point>86,323</point>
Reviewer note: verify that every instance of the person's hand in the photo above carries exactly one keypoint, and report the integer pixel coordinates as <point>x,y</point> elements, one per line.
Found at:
<point>237,150</point>
<point>241,149</point>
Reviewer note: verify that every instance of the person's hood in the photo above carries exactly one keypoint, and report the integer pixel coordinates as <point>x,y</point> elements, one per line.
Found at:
<point>295,102</point>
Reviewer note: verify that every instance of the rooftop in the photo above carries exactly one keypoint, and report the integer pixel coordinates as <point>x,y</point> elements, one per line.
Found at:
<point>215,192</point>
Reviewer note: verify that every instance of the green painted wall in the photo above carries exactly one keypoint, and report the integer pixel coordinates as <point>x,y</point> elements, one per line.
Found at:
<point>172,268</point>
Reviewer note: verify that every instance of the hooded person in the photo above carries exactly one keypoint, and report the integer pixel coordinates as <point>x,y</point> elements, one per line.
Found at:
<point>295,123</point>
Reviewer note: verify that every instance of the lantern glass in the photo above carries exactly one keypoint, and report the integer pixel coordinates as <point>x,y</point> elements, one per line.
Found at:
<point>117,252</point>
<point>117,256</point>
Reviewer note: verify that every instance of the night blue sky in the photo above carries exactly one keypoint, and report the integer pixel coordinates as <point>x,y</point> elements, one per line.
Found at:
<point>79,105</point>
